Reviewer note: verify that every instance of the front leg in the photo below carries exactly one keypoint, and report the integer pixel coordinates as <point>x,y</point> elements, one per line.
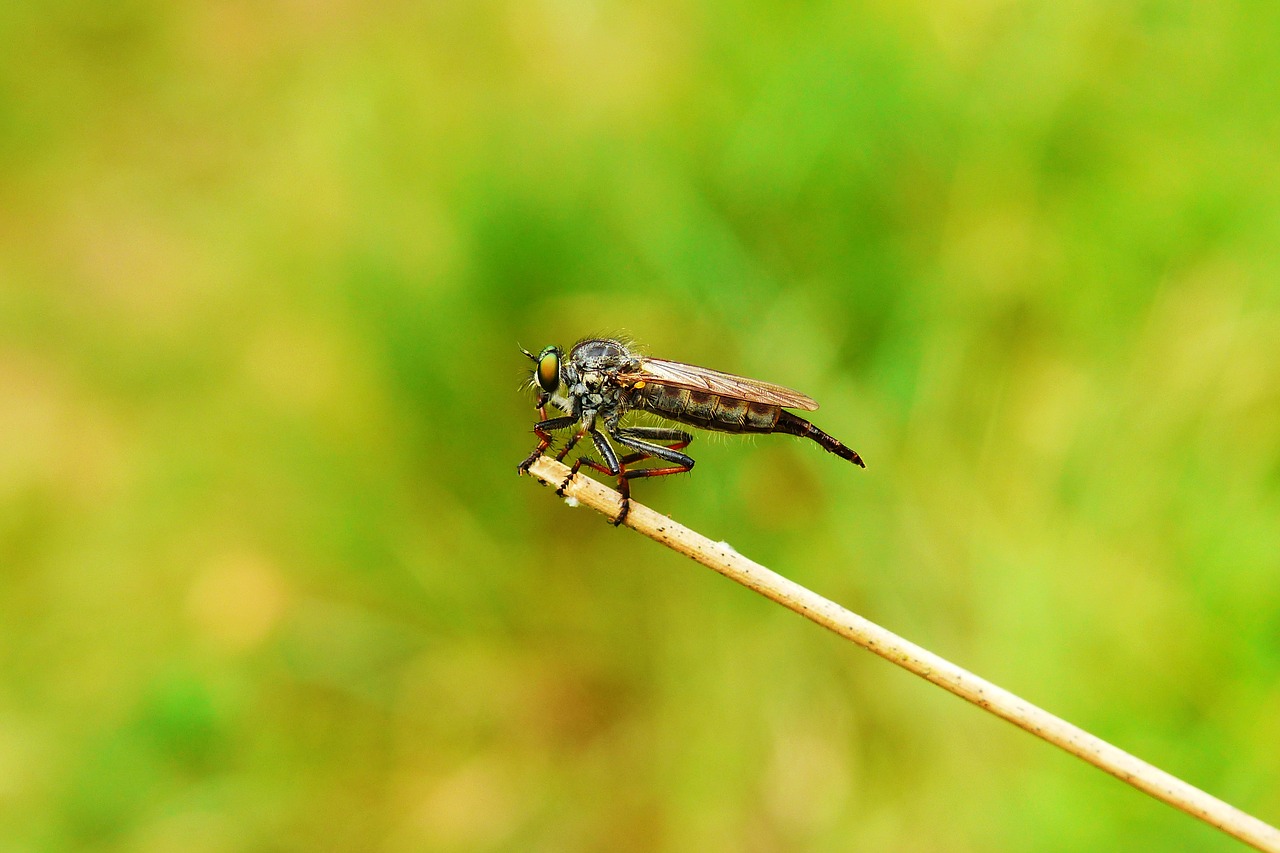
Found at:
<point>573,472</point>
<point>543,429</point>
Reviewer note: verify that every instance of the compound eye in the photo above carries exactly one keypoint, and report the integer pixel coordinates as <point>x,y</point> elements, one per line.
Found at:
<point>548,374</point>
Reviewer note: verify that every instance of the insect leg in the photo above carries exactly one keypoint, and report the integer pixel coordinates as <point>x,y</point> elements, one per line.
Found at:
<point>656,434</point>
<point>616,468</point>
<point>680,462</point>
<point>569,445</point>
<point>582,459</point>
<point>542,429</point>
<point>564,451</point>
<point>590,463</point>
<point>585,459</point>
<point>680,438</point>
<point>793,425</point>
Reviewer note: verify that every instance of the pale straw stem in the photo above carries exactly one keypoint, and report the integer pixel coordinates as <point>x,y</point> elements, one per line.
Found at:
<point>728,562</point>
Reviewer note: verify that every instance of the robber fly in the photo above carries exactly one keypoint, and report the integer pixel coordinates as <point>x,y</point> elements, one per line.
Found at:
<point>603,379</point>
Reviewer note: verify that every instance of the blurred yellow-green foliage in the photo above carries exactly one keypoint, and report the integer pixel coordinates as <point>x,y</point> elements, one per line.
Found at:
<point>269,581</point>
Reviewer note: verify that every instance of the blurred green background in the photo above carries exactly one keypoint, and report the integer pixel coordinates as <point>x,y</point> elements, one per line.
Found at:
<point>270,582</point>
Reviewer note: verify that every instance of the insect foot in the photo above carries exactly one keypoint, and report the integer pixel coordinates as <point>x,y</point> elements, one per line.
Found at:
<point>524,466</point>
<point>573,472</point>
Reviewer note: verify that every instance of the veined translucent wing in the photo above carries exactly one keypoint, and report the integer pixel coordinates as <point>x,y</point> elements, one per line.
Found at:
<point>680,375</point>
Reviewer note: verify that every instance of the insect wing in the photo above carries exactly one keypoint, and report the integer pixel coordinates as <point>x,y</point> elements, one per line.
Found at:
<point>680,375</point>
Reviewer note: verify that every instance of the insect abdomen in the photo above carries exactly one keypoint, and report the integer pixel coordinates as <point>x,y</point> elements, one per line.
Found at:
<point>707,410</point>
<point>789,423</point>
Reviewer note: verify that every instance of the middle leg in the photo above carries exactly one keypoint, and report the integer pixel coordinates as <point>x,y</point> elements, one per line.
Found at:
<point>679,438</point>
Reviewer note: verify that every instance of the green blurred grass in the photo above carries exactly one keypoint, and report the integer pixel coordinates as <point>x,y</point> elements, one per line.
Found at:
<point>270,582</point>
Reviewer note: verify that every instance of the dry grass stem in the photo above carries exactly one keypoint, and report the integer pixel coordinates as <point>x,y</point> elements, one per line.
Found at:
<point>723,559</point>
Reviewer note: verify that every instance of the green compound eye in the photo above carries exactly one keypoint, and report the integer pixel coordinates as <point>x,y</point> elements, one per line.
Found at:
<point>549,370</point>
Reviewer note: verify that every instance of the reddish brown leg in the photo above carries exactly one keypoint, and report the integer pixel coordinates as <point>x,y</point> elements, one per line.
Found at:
<point>641,441</point>
<point>629,459</point>
<point>564,451</point>
<point>543,430</point>
<point>657,472</point>
<point>624,489</point>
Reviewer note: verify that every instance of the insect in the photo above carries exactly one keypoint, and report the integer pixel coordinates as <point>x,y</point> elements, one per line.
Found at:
<point>602,380</point>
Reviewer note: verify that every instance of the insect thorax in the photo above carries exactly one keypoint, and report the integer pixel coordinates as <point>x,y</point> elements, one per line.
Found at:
<point>603,355</point>
<point>590,374</point>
